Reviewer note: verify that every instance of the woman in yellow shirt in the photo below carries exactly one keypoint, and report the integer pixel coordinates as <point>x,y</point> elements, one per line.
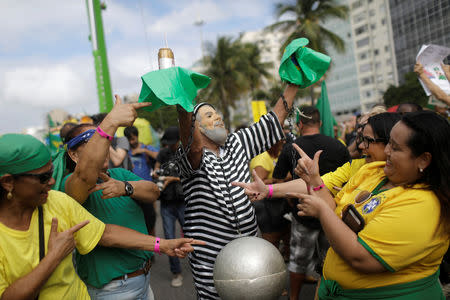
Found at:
<point>388,228</point>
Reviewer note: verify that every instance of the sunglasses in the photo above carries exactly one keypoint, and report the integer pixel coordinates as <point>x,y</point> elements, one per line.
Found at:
<point>367,140</point>
<point>43,177</point>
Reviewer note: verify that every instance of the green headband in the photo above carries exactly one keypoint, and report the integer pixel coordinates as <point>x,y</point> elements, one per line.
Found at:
<point>21,153</point>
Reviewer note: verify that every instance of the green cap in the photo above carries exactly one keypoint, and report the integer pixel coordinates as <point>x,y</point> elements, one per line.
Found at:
<point>301,65</point>
<point>21,153</point>
<point>172,86</point>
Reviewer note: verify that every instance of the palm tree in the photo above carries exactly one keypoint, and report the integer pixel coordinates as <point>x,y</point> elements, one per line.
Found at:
<point>256,70</point>
<point>307,21</point>
<point>235,69</point>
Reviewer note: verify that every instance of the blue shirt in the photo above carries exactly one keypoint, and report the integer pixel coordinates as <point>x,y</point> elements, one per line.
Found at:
<point>140,165</point>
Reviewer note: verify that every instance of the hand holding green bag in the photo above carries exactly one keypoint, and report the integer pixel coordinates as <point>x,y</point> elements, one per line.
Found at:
<point>301,65</point>
<point>172,86</point>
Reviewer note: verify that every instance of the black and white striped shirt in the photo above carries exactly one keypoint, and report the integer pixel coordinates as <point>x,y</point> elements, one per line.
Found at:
<point>216,211</point>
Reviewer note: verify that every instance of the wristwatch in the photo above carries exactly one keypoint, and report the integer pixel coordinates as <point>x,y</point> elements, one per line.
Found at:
<point>129,190</point>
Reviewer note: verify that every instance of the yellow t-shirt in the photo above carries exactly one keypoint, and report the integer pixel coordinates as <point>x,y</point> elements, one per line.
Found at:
<point>342,175</point>
<point>265,161</point>
<point>401,231</point>
<point>19,250</point>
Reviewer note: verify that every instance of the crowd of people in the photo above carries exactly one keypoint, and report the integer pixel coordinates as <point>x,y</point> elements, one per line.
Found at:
<point>365,214</point>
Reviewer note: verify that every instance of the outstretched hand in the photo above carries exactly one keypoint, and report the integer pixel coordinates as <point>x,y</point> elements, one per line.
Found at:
<point>179,247</point>
<point>256,190</point>
<point>62,244</point>
<point>307,168</point>
<point>111,187</point>
<point>124,114</point>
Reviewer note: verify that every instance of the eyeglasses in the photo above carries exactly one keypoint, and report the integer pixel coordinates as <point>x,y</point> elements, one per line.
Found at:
<point>43,177</point>
<point>367,140</point>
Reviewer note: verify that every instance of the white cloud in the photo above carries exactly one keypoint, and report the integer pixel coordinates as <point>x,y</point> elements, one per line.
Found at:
<point>207,10</point>
<point>38,21</point>
<point>46,85</point>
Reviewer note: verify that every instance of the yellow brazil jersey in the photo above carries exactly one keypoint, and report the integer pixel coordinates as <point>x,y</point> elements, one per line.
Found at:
<point>342,175</point>
<point>19,250</point>
<point>401,231</point>
<point>265,161</point>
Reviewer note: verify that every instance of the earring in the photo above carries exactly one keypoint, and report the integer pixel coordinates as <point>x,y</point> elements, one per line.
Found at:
<point>420,170</point>
<point>9,195</point>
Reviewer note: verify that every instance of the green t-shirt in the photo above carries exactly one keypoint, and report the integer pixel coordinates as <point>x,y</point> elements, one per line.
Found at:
<point>102,264</point>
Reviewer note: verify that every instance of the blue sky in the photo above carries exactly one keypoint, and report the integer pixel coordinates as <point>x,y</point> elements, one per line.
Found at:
<point>46,60</point>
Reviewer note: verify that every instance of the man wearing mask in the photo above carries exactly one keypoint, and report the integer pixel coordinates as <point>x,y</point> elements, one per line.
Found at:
<point>211,159</point>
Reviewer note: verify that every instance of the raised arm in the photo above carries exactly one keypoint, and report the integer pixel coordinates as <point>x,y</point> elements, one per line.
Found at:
<point>434,89</point>
<point>186,130</point>
<point>289,94</point>
<point>95,152</point>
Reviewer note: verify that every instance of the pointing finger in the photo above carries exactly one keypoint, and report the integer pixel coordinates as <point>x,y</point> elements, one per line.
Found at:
<point>239,184</point>
<point>97,187</point>
<point>316,156</point>
<point>118,100</point>
<point>299,150</point>
<point>78,226</point>
<point>103,176</point>
<point>141,104</point>
<point>54,228</point>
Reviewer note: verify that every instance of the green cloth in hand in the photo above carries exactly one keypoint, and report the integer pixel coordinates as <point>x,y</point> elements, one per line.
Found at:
<point>301,65</point>
<point>172,86</point>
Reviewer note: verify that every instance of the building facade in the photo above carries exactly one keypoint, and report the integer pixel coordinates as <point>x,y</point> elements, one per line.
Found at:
<point>418,22</point>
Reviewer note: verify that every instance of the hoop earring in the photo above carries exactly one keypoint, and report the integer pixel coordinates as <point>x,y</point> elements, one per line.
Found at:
<point>9,195</point>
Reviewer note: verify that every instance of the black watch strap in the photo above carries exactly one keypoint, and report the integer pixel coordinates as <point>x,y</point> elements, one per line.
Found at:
<point>129,190</point>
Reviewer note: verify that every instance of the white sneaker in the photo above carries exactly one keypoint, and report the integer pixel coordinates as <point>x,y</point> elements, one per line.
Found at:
<point>177,280</point>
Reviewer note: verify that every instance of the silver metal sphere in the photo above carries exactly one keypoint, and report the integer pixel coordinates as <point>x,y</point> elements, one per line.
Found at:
<point>250,268</point>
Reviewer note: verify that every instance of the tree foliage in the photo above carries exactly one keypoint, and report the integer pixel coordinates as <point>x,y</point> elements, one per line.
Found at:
<point>411,91</point>
<point>305,18</point>
<point>235,69</point>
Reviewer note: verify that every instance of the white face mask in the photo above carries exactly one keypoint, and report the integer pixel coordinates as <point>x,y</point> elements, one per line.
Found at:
<point>218,135</point>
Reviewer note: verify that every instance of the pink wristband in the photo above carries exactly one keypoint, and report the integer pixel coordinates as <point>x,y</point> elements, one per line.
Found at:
<point>104,134</point>
<point>270,191</point>
<point>157,240</point>
<point>318,188</point>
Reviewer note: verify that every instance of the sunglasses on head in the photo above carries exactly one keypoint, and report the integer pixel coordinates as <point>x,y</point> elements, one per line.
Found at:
<point>43,177</point>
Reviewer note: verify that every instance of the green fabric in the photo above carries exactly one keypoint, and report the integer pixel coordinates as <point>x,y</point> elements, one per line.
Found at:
<point>326,116</point>
<point>59,168</point>
<point>426,288</point>
<point>102,264</point>
<point>172,86</point>
<point>311,66</point>
<point>20,153</point>
<point>374,254</point>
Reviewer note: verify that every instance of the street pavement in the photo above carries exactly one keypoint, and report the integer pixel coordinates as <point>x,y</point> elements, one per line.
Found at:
<point>161,276</point>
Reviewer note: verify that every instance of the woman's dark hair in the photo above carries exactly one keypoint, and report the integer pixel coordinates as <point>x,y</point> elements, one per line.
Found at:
<point>431,133</point>
<point>130,131</point>
<point>70,164</point>
<point>382,124</point>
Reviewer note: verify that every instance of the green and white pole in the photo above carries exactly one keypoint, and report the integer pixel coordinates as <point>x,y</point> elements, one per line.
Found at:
<point>105,97</point>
